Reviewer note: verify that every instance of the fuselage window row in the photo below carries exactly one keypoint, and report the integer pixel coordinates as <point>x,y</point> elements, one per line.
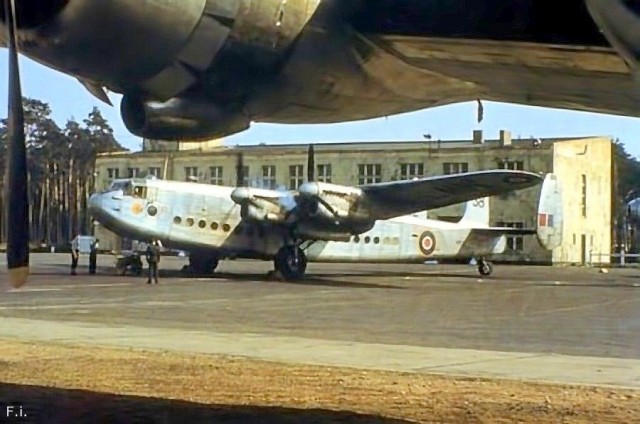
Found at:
<point>202,224</point>
<point>249,231</point>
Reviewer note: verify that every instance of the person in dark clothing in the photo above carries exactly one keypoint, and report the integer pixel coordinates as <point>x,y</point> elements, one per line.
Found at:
<point>93,257</point>
<point>153,258</point>
<point>75,254</point>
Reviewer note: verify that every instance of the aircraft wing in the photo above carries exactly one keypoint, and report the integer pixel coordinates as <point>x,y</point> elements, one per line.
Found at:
<point>584,78</point>
<point>522,52</point>
<point>388,200</point>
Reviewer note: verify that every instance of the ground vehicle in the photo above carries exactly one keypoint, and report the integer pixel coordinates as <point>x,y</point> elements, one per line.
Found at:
<point>129,262</point>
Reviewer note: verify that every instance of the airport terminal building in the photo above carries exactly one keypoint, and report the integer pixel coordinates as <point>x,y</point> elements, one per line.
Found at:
<point>584,166</point>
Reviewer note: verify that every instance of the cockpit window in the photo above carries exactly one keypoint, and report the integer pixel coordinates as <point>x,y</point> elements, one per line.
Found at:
<point>117,185</point>
<point>128,189</point>
<point>139,192</point>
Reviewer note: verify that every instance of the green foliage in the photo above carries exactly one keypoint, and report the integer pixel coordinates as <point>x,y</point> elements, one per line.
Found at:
<point>61,164</point>
<point>46,141</point>
<point>627,172</point>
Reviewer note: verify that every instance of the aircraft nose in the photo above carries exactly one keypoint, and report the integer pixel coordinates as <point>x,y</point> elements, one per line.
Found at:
<point>95,203</point>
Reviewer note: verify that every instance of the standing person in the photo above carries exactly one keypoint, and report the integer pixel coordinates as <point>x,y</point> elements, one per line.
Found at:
<point>153,258</point>
<point>93,257</point>
<point>75,255</point>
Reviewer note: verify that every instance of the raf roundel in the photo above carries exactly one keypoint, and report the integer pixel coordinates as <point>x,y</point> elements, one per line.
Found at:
<point>427,243</point>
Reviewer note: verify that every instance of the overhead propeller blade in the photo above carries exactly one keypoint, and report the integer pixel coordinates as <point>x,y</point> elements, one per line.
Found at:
<point>311,164</point>
<point>240,170</point>
<point>16,169</point>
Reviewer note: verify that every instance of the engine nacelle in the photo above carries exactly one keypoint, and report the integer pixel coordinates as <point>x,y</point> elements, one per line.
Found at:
<point>179,119</point>
<point>340,231</point>
<point>255,213</point>
<point>158,49</point>
<point>152,47</point>
<point>619,20</point>
<point>333,201</point>
<point>257,204</point>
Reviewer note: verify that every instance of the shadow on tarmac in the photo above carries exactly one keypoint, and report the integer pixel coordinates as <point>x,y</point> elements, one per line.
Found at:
<point>53,405</point>
<point>309,280</point>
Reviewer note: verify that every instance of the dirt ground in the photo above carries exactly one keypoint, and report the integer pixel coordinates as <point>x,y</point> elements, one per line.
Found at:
<point>63,384</point>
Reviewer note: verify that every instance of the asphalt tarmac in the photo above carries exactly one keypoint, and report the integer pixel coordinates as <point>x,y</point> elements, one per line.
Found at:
<point>572,325</point>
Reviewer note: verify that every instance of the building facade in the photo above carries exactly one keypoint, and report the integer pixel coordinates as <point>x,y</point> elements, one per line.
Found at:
<point>583,165</point>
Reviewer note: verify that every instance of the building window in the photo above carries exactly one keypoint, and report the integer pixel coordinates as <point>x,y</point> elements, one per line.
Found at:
<point>514,165</point>
<point>455,167</point>
<point>296,176</point>
<point>245,176</point>
<point>155,172</point>
<point>515,242</point>
<point>216,175</point>
<point>269,177</point>
<point>133,172</point>
<point>113,173</point>
<point>584,196</point>
<point>369,173</point>
<point>409,171</point>
<point>191,173</point>
<point>324,173</point>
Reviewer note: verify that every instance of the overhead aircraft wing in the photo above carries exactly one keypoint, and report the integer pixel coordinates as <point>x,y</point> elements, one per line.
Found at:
<point>583,78</point>
<point>528,52</point>
<point>388,200</point>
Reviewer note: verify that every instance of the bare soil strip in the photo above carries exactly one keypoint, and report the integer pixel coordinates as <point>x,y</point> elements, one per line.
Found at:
<point>57,383</point>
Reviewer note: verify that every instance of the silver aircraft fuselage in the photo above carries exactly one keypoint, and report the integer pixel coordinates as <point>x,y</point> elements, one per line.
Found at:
<point>202,219</point>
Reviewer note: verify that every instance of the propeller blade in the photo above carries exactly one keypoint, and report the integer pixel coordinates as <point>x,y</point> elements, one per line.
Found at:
<point>240,170</point>
<point>311,163</point>
<point>16,177</point>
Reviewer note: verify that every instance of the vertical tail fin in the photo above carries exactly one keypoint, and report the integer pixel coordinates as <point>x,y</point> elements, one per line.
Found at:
<point>550,213</point>
<point>477,211</point>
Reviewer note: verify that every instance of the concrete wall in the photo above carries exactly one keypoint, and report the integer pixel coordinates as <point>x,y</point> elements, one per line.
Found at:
<point>590,232</point>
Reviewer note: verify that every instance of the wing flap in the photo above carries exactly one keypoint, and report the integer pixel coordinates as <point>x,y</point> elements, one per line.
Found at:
<point>388,200</point>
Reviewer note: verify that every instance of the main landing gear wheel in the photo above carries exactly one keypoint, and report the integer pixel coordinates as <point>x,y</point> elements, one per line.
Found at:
<point>291,262</point>
<point>485,268</point>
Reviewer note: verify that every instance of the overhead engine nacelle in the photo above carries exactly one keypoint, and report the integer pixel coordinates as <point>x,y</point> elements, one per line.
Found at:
<point>153,47</point>
<point>158,49</point>
<point>619,20</point>
<point>179,119</point>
